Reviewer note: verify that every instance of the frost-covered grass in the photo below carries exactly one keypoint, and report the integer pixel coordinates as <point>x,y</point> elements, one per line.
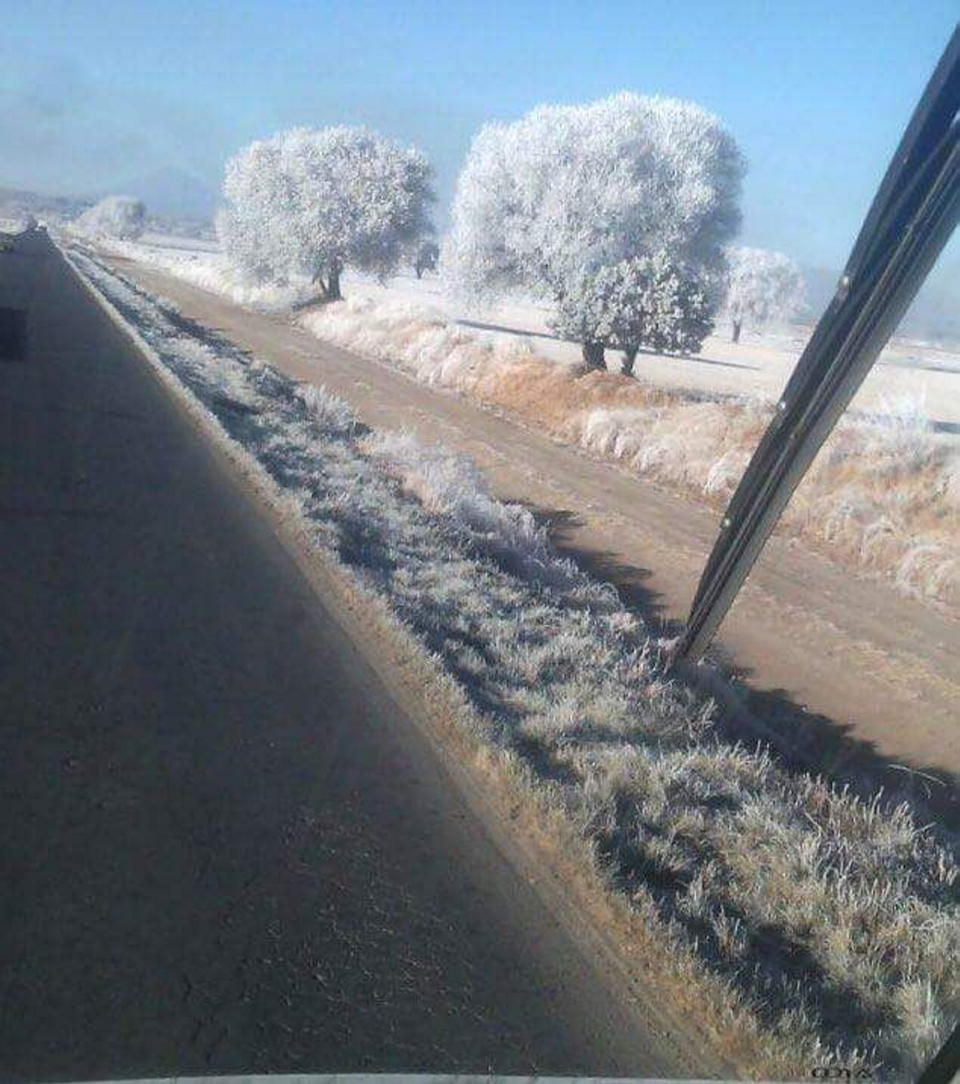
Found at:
<point>882,496</point>
<point>833,920</point>
<point>209,270</point>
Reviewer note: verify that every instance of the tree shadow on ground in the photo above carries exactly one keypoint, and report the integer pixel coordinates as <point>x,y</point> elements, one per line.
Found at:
<point>479,325</point>
<point>802,740</point>
<point>213,337</point>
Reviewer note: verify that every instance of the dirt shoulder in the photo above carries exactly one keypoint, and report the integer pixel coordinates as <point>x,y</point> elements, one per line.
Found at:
<point>841,671</point>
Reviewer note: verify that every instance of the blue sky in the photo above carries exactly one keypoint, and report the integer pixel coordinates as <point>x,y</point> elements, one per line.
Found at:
<point>92,93</point>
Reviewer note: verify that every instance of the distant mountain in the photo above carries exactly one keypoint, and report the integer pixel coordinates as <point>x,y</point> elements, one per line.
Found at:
<point>172,193</point>
<point>17,203</point>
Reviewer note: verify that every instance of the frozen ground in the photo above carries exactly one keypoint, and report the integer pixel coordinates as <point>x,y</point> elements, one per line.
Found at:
<point>759,364</point>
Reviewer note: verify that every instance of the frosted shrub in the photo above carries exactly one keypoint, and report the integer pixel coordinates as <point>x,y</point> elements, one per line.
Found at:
<point>761,286</point>
<point>648,301</point>
<point>119,217</point>
<point>333,413</point>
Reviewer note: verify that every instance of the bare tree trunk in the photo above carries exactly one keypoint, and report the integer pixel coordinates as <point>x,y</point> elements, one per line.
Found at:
<point>419,271</point>
<point>629,357</point>
<point>333,285</point>
<point>593,355</point>
<point>736,330</point>
<point>329,290</point>
<point>318,281</point>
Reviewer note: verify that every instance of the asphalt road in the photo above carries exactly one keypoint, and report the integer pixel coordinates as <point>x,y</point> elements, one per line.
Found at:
<point>224,848</point>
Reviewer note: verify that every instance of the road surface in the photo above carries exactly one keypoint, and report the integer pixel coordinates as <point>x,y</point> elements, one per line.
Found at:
<point>843,673</point>
<point>225,848</point>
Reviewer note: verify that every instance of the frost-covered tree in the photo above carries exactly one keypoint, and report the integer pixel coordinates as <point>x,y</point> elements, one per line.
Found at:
<point>546,203</point>
<point>309,203</point>
<point>761,286</point>
<point>648,301</point>
<point>426,258</point>
<point>121,217</point>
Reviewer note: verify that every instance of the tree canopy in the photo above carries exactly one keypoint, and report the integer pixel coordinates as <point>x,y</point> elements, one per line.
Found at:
<point>121,217</point>
<point>566,200</point>
<point>761,286</point>
<point>309,203</point>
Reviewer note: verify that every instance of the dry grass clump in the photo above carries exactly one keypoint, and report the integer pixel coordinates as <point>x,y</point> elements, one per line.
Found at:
<point>835,921</point>
<point>882,496</point>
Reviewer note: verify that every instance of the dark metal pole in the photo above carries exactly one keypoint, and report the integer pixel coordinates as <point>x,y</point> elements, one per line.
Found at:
<point>910,220</point>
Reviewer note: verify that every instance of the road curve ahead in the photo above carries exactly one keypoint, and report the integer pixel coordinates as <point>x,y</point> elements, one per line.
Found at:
<point>224,848</point>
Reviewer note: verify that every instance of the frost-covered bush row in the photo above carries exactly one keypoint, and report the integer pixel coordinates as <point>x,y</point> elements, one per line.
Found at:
<point>617,211</point>
<point>761,286</point>
<point>120,217</point>
<point>309,203</point>
<point>883,495</point>
<point>836,921</point>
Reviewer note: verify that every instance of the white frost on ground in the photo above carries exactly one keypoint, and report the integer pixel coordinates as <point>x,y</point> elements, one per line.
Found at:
<point>177,242</point>
<point>207,269</point>
<point>836,920</point>
<point>883,496</point>
<point>758,366</point>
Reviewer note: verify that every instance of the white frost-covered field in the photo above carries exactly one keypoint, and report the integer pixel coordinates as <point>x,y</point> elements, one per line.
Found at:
<point>925,375</point>
<point>176,243</point>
